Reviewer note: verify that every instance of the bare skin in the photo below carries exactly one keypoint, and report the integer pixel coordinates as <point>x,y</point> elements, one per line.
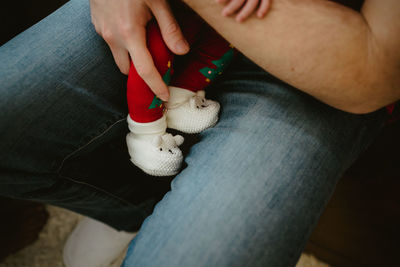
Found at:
<point>347,59</point>
<point>122,24</point>
<point>244,8</point>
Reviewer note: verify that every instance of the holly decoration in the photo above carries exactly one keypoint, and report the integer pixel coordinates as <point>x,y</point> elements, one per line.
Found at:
<point>157,103</point>
<point>220,64</point>
<point>167,76</point>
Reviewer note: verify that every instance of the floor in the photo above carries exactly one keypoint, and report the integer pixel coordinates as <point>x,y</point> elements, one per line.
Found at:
<point>47,250</point>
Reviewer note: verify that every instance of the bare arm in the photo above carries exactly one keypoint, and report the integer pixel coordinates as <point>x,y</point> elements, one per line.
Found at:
<point>347,59</point>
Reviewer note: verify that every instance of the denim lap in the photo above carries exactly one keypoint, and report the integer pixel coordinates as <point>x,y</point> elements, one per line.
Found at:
<point>58,81</point>
<point>63,110</point>
<point>256,183</point>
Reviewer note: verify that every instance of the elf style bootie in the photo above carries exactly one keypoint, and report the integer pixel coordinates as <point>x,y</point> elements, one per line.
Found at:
<point>190,112</point>
<point>152,149</point>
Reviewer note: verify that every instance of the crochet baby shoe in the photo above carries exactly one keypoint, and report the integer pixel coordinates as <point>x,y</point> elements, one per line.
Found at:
<point>190,112</point>
<point>152,149</point>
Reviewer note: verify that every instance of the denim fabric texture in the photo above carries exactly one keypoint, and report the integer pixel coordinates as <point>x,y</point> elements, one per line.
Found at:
<point>63,123</point>
<point>254,185</point>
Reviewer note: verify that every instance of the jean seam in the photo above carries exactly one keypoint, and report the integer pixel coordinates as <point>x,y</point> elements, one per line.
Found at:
<point>97,189</point>
<point>86,144</point>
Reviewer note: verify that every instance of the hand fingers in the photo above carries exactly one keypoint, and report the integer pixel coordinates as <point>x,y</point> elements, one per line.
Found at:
<point>232,7</point>
<point>144,64</point>
<point>169,27</point>
<point>247,9</point>
<point>121,58</point>
<point>263,8</point>
<point>120,54</point>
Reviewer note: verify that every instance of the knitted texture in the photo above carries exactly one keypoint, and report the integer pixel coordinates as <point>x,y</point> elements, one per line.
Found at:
<point>191,114</point>
<point>156,153</point>
<point>208,57</point>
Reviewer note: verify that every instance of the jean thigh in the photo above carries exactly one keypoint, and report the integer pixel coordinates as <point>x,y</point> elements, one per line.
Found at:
<point>63,109</point>
<point>255,184</point>
<point>59,89</point>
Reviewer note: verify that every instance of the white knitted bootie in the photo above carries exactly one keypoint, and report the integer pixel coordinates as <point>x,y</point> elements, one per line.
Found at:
<point>152,149</point>
<point>190,112</point>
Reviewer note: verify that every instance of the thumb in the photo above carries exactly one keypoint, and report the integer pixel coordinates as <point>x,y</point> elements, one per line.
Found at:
<point>169,27</point>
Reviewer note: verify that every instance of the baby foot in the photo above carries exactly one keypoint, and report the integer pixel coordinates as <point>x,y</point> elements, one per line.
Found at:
<point>158,156</point>
<point>193,115</point>
<point>152,149</point>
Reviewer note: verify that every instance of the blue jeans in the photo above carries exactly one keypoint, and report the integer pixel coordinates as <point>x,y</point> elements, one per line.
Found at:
<point>254,185</point>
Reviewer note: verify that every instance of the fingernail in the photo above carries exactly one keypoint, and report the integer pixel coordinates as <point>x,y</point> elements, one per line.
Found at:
<point>182,46</point>
<point>164,97</point>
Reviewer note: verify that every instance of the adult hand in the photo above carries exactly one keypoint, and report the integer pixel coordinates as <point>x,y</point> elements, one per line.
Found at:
<point>122,24</point>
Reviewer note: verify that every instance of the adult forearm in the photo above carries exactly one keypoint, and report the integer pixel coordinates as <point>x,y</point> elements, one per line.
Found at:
<point>319,47</point>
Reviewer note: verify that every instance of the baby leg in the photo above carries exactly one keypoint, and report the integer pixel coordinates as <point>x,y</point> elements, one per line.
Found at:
<point>150,147</point>
<point>188,110</point>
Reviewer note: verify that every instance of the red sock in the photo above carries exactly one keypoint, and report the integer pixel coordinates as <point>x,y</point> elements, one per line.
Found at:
<point>143,105</point>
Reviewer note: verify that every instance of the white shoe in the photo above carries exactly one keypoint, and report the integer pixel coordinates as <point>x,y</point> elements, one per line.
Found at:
<point>94,244</point>
<point>190,112</point>
<point>152,149</point>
